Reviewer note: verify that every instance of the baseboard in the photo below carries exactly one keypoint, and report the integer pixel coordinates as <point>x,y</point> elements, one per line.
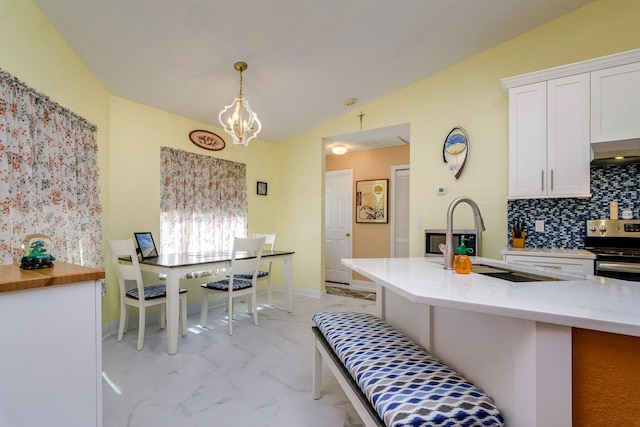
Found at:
<point>364,285</point>
<point>296,291</point>
<point>308,293</point>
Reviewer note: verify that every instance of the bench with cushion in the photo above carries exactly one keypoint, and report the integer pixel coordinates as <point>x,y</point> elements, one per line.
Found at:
<point>392,381</point>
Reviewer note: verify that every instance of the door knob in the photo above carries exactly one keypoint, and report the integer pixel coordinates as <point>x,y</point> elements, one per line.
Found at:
<point>348,234</point>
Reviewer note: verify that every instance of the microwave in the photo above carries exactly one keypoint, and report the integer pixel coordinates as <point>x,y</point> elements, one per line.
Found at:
<point>433,238</point>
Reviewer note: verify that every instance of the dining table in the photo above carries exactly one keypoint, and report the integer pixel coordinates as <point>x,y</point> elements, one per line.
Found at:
<point>179,265</point>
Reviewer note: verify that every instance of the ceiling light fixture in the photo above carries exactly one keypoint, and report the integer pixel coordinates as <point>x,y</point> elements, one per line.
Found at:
<point>339,149</point>
<point>238,119</point>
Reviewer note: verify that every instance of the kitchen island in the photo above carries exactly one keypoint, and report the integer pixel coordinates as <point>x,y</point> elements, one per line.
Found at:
<point>513,340</point>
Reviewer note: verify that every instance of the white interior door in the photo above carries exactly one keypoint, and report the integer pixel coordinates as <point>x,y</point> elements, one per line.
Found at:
<point>400,211</point>
<point>338,219</point>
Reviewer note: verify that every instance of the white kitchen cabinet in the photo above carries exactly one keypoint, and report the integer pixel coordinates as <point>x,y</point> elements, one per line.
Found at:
<point>615,103</point>
<point>549,149</point>
<point>565,264</point>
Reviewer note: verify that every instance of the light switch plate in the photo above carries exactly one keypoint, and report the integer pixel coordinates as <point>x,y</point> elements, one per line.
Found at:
<point>540,225</point>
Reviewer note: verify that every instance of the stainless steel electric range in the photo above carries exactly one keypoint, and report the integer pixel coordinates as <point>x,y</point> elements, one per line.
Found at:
<point>616,244</point>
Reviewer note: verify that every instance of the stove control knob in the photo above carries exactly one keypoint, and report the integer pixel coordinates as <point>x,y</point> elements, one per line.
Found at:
<point>603,228</point>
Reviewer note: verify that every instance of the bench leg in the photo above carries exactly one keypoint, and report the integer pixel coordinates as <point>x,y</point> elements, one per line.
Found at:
<point>317,370</point>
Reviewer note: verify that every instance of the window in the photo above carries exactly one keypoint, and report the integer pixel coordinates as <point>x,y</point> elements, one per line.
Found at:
<point>203,202</point>
<point>48,177</point>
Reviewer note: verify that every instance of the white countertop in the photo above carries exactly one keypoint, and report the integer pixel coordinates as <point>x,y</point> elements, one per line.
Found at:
<point>550,252</point>
<point>595,303</point>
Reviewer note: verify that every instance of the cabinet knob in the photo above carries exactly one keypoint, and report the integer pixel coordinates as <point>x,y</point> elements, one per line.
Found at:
<point>348,234</point>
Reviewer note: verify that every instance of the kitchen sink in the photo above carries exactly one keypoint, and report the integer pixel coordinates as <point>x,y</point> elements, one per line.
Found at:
<point>510,275</point>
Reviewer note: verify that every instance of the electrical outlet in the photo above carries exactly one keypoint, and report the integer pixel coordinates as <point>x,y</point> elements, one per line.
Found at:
<point>540,225</point>
<point>419,224</point>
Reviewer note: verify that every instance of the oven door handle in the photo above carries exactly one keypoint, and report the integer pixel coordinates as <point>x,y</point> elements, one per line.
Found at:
<point>624,267</point>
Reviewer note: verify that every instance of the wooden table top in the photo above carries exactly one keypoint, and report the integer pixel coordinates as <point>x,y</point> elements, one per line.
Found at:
<point>12,278</point>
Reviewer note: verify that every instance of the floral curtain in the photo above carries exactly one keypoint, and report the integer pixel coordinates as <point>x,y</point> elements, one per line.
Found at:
<point>203,202</point>
<point>48,177</point>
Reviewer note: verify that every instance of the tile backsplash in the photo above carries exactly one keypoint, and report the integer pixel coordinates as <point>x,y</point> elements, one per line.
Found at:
<point>564,219</point>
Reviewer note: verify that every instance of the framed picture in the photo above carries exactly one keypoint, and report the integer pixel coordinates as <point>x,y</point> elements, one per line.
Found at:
<point>146,245</point>
<point>371,201</point>
<point>262,188</point>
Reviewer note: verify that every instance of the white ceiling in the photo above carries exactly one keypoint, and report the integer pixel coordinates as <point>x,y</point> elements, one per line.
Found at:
<point>306,57</point>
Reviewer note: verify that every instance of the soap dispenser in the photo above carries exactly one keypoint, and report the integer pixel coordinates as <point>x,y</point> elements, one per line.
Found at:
<point>462,262</point>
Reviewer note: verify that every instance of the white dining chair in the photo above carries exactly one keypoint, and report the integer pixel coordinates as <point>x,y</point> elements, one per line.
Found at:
<point>233,286</point>
<point>264,275</point>
<point>125,262</point>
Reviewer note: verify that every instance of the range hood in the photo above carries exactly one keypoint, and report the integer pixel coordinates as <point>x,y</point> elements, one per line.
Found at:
<point>615,152</point>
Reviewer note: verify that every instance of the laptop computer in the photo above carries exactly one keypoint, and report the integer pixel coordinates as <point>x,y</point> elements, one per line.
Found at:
<point>146,245</point>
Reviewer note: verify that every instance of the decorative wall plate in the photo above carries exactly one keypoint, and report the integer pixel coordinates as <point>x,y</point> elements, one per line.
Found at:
<point>207,140</point>
<point>455,150</point>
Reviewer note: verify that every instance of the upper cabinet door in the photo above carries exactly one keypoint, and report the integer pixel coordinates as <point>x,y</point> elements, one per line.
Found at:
<point>549,149</point>
<point>528,140</point>
<point>615,103</point>
<point>568,147</point>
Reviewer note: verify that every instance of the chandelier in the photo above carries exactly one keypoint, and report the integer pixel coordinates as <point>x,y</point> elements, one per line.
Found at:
<point>238,119</point>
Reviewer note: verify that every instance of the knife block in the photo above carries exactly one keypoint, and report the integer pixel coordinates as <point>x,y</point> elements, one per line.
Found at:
<point>518,242</point>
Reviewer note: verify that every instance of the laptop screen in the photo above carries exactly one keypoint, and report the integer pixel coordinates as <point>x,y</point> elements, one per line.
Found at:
<point>146,244</point>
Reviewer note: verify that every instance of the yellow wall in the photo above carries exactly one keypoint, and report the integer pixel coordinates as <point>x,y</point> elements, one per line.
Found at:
<point>137,133</point>
<point>470,95</point>
<point>370,240</point>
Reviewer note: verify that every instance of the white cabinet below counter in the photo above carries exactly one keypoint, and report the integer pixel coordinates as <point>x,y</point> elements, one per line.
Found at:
<point>571,261</point>
<point>51,335</point>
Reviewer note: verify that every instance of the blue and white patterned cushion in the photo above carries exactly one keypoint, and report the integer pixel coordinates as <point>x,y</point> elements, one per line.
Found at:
<point>405,385</point>
<point>151,292</point>
<point>223,285</point>
<point>249,275</point>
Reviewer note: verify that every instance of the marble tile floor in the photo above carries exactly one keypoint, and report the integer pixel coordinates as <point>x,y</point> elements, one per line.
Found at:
<point>260,376</point>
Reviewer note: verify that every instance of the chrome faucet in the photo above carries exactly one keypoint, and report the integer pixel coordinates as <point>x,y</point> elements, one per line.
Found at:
<point>448,256</point>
